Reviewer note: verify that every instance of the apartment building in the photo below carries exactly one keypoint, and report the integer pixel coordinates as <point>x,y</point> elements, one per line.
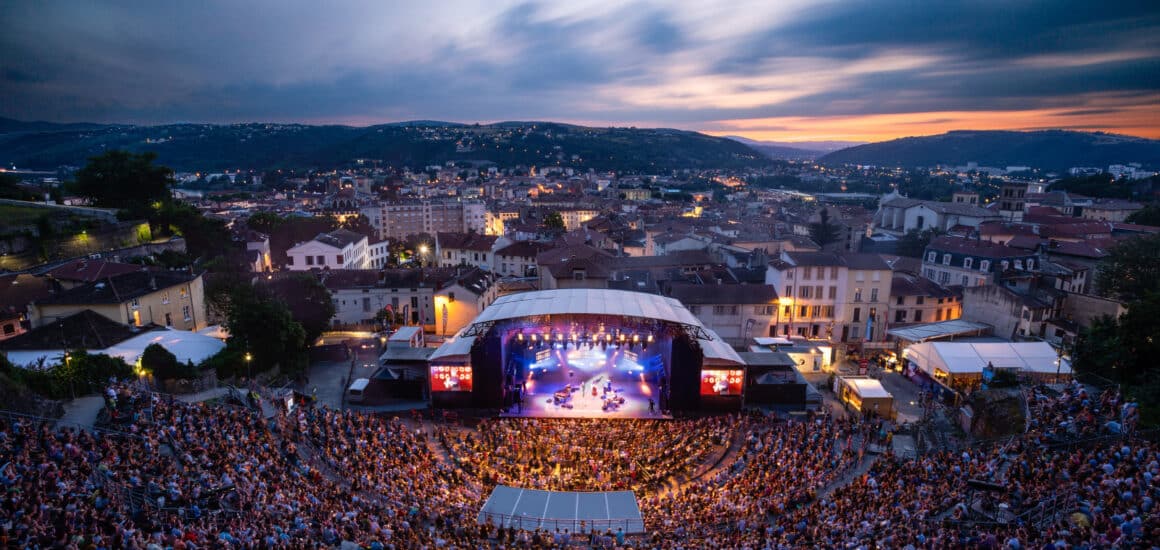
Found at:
<point>400,219</point>
<point>841,297</point>
<point>970,262</point>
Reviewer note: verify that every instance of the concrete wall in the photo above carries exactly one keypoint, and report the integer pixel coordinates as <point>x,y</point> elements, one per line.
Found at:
<point>993,305</point>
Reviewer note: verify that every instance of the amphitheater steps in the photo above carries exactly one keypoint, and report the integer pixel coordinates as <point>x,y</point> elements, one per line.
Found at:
<point>848,477</point>
<point>720,460</point>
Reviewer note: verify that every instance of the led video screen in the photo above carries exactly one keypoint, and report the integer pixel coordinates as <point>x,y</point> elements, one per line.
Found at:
<point>721,382</point>
<point>450,378</point>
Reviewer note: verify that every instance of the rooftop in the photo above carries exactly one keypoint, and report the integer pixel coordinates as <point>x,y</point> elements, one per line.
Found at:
<point>121,288</point>
<point>340,238</point>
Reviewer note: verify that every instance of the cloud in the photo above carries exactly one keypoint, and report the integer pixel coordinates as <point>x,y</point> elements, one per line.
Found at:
<point>685,64</point>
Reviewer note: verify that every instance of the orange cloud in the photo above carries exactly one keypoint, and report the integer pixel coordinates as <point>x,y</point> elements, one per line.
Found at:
<point>1140,119</point>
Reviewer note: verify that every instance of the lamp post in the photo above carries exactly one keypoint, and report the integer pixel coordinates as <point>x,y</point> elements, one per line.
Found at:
<point>249,367</point>
<point>422,253</point>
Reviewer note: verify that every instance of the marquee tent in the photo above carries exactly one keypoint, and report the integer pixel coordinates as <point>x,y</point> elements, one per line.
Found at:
<point>945,361</point>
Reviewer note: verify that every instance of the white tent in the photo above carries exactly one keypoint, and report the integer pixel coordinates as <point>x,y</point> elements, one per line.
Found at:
<point>186,346</point>
<point>965,358</point>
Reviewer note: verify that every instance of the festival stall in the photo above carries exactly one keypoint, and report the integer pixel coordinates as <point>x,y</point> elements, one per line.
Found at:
<point>865,394</point>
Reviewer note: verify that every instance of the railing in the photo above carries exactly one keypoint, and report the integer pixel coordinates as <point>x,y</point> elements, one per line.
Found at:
<point>573,525</point>
<point>13,416</point>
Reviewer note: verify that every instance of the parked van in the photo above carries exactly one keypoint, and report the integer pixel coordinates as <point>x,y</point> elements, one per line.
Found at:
<point>357,390</point>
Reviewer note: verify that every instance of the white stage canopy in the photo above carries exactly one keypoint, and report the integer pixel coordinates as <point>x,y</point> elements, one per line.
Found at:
<point>587,301</point>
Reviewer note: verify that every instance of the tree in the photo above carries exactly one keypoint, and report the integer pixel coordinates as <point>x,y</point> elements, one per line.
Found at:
<point>1149,215</point>
<point>126,181</point>
<point>914,242</point>
<point>553,220</point>
<point>309,302</point>
<point>1132,269</point>
<point>360,224</point>
<point>263,327</point>
<point>164,365</point>
<point>1123,350</point>
<point>824,231</point>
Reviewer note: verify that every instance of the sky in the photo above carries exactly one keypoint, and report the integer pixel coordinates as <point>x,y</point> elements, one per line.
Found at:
<point>784,70</point>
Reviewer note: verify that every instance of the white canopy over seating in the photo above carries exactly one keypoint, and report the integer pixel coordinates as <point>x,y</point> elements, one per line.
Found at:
<point>185,345</point>
<point>971,358</point>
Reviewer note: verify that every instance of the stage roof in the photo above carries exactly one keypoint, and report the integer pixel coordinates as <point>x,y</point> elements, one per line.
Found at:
<point>587,301</point>
<point>455,350</point>
<point>531,509</point>
<point>717,352</point>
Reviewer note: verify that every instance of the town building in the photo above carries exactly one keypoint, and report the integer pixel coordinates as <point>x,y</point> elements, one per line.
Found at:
<point>339,249</point>
<point>736,312</point>
<point>475,249</point>
<point>401,219</point>
<point>417,297</point>
<point>519,258</point>
<point>841,297</point>
<point>167,298</point>
<point>971,262</point>
<point>915,299</point>
<point>898,215</point>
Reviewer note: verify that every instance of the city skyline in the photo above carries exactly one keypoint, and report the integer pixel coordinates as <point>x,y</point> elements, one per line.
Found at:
<point>787,71</point>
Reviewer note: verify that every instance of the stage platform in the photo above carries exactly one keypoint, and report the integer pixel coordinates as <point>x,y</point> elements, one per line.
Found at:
<point>577,512</point>
<point>545,390</point>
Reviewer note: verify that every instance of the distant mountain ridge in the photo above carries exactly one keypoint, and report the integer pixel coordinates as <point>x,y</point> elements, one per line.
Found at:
<point>210,147</point>
<point>1043,149</point>
<point>823,146</point>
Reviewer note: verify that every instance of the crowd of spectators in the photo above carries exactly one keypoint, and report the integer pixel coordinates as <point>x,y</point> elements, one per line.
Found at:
<point>585,454</point>
<point>186,476</point>
<point>1071,412</point>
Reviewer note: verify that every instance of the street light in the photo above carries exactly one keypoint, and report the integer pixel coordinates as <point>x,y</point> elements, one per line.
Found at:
<point>249,369</point>
<point>422,253</point>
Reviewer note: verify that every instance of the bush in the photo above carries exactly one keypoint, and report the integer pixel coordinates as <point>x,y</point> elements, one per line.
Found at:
<point>227,363</point>
<point>81,373</point>
<point>164,365</point>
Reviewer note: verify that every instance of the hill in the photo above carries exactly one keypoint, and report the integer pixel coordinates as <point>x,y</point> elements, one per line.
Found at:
<point>1048,150</point>
<point>795,150</point>
<point>212,147</point>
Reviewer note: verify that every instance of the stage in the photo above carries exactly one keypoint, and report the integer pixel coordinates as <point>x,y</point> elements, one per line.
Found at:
<point>588,382</point>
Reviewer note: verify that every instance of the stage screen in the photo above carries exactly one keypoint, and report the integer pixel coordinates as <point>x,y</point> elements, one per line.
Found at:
<point>721,382</point>
<point>450,378</point>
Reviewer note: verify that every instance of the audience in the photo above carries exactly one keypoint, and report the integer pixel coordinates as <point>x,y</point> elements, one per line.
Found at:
<point>176,475</point>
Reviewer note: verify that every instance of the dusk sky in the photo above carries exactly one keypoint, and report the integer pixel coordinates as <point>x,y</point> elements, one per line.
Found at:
<point>778,70</point>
